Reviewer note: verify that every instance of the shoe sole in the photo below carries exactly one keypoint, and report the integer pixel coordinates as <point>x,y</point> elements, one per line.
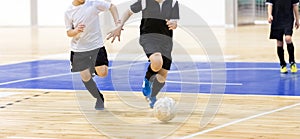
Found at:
<point>99,109</point>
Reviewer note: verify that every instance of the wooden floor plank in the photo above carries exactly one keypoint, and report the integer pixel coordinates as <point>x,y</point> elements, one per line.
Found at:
<point>58,115</point>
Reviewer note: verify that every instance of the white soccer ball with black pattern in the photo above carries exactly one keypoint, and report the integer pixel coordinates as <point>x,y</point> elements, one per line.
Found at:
<point>165,109</point>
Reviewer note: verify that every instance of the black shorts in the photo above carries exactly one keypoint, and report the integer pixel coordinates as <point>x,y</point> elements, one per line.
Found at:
<point>90,59</point>
<point>279,33</point>
<point>153,43</point>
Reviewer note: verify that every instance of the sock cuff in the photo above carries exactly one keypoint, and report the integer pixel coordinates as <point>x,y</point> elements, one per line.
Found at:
<point>150,73</point>
<point>91,86</point>
<point>156,87</point>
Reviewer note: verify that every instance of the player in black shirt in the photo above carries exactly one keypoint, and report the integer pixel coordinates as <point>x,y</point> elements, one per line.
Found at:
<point>281,15</point>
<point>159,19</point>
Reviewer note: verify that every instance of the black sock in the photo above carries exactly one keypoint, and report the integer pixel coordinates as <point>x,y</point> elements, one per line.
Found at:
<point>156,87</point>
<point>92,88</point>
<point>280,53</point>
<point>290,48</point>
<point>149,73</point>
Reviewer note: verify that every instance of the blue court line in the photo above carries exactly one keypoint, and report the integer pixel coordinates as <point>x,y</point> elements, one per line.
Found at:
<point>190,77</point>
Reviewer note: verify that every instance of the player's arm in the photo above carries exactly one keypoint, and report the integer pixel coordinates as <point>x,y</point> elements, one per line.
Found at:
<point>125,17</point>
<point>76,31</point>
<point>117,31</point>
<point>172,23</point>
<point>269,4</point>
<point>134,8</point>
<point>270,9</point>
<point>296,13</point>
<point>114,12</point>
<point>71,30</point>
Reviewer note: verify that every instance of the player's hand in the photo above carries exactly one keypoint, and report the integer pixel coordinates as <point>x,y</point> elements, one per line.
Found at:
<point>116,32</point>
<point>171,24</point>
<point>80,28</point>
<point>297,24</point>
<point>270,19</point>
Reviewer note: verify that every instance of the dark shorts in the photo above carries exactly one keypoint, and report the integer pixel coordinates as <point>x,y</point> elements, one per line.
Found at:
<point>153,43</point>
<point>90,59</point>
<point>278,34</point>
<point>166,62</point>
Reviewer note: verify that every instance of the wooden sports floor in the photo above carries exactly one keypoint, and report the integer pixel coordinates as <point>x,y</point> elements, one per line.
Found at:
<point>255,101</point>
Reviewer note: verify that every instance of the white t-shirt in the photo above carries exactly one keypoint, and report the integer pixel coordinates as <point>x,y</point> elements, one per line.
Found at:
<point>87,14</point>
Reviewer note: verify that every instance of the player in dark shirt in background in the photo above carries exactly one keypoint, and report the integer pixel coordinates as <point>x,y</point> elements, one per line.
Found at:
<point>283,15</point>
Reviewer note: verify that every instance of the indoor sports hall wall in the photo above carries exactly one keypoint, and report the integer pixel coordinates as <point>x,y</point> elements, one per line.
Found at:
<point>50,13</point>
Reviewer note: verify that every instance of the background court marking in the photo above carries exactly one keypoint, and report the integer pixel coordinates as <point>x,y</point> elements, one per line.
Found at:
<point>240,120</point>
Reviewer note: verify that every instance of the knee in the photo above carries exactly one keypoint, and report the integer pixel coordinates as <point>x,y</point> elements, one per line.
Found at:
<point>156,66</point>
<point>161,78</point>
<point>85,75</point>
<point>156,62</point>
<point>288,39</point>
<point>102,71</point>
<point>102,74</point>
<point>279,43</point>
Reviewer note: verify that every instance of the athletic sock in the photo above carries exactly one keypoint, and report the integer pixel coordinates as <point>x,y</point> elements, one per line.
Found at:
<point>290,48</point>
<point>92,88</point>
<point>149,73</point>
<point>280,53</point>
<point>156,87</point>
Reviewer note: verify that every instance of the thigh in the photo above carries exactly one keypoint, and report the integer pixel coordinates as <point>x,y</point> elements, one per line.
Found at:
<point>166,63</point>
<point>156,43</point>
<point>101,63</point>
<point>149,46</point>
<point>80,61</point>
<point>288,31</point>
<point>101,59</point>
<point>277,34</point>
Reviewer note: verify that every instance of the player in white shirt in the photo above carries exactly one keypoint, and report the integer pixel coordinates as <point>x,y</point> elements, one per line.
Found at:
<point>88,55</point>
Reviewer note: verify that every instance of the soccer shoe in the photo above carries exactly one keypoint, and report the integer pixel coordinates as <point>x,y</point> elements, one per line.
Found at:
<point>146,88</point>
<point>99,104</point>
<point>283,70</point>
<point>293,68</point>
<point>152,101</point>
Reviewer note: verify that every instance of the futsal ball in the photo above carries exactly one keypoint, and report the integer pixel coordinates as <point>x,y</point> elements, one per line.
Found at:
<point>165,109</point>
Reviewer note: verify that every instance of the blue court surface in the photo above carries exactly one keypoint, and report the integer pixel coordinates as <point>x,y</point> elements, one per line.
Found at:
<point>186,77</point>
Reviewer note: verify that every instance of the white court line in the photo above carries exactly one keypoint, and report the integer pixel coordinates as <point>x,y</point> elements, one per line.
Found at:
<point>57,75</point>
<point>17,62</point>
<point>206,83</point>
<point>6,93</point>
<point>222,69</point>
<point>240,120</point>
<point>37,78</point>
